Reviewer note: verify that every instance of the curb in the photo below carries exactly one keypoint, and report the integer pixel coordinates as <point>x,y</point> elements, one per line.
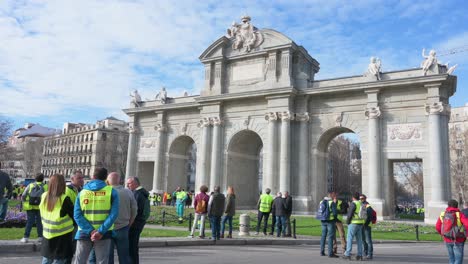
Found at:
<point>18,247</point>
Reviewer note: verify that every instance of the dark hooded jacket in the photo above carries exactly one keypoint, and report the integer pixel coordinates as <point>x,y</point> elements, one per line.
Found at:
<point>141,196</point>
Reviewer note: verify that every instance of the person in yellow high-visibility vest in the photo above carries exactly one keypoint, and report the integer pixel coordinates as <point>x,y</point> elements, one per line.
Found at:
<point>31,205</point>
<point>57,214</point>
<point>355,224</point>
<point>341,209</point>
<point>181,196</point>
<point>96,209</point>
<point>264,205</point>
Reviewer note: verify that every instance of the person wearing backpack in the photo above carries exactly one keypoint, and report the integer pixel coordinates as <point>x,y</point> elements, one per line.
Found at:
<point>367,229</point>
<point>31,199</point>
<point>326,213</point>
<point>143,212</point>
<point>201,208</point>
<point>357,215</point>
<point>451,225</point>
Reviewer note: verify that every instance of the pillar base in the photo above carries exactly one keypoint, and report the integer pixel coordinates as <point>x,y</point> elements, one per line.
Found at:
<point>433,210</point>
<point>378,206</point>
<point>304,205</point>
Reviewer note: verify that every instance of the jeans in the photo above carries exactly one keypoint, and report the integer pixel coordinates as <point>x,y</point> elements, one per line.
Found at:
<point>120,241</point>
<point>367,241</point>
<point>83,249</point>
<point>261,216</point>
<point>134,239</point>
<point>328,232</point>
<point>34,216</point>
<point>354,230</point>
<point>53,261</point>
<point>455,252</point>
<point>3,208</point>
<point>228,219</point>
<point>215,227</point>
<point>202,224</point>
<point>281,225</point>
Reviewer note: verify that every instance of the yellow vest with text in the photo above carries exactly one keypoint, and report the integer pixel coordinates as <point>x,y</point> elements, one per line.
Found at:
<point>356,219</point>
<point>96,206</point>
<point>52,224</point>
<point>181,195</point>
<point>265,203</point>
<point>26,205</point>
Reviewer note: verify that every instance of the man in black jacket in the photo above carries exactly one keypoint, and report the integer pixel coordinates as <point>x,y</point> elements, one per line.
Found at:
<point>141,196</point>
<point>288,203</point>
<point>279,211</point>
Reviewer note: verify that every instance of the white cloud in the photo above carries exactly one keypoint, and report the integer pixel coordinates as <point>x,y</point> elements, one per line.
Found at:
<point>60,55</point>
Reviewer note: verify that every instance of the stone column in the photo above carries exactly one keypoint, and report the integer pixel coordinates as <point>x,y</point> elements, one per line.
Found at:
<point>215,156</point>
<point>158,159</point>
<point>285,151</point>
<point>373,154</point>
<point>436,152</point>
<point>132,149</point>
<point>303,177</point>
<point>269,174</point>
<point>202,172</point>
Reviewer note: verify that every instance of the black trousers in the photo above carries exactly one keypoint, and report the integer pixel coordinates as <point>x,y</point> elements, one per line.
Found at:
<point>134,239</point>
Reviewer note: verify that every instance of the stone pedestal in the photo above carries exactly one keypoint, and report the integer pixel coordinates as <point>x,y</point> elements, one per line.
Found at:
<point>244,225</point>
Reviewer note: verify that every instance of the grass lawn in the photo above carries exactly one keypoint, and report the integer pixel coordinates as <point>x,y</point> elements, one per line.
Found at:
<point>305,225</point>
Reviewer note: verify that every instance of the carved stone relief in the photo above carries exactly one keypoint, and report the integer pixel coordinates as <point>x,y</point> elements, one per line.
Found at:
<point>404,132</point>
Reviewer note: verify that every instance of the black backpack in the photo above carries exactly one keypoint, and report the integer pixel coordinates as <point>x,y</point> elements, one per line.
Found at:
<point>35,194</point>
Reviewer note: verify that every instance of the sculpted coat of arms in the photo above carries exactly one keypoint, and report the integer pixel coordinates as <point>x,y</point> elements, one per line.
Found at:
<point>246,36</point>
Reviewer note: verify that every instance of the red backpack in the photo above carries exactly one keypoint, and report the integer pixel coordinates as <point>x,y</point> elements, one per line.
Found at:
<point>450,228</point>
<point>373,216</point>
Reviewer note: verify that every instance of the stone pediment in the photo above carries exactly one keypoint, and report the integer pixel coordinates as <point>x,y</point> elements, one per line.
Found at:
<point>224,46</point>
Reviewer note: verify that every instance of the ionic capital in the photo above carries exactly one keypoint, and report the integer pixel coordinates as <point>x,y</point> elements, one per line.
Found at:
<point>372,112</point>
<point>438,108</point>
<point>160,127</point>
<point>286,116</point>
<point>302,117</point>
<point>271,116</point>
<point>216,121</point>
<point>133,129</point>
<point>205,122</point>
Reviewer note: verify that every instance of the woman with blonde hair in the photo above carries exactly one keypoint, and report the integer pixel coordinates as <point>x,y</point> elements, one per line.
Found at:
<point>57,214</point>
<point>229,211</point>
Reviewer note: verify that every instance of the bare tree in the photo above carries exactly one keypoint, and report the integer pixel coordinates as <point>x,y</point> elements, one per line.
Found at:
<point>5,131</point>
<point>411,175</point>
<point>344,166</point>
<point>111,152</point>
<point>30,155</point>
<point>459,162</point>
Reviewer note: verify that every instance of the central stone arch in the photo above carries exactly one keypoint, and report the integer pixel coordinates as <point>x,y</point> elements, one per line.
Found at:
<point>321,154</point>
<point>179,165</point>
<point>243,155</point>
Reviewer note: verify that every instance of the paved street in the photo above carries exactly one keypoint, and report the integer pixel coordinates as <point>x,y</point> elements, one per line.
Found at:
<point>385,253</point>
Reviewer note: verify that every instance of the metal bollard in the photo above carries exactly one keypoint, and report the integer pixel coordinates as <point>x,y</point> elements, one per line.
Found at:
<point>417,232</point>
<point>244,225</point>
<point>163,217</point>
<point>190,222</point>
<point>294,228</point>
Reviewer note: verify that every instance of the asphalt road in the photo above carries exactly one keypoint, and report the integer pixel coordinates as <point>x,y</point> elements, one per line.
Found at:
<point>384,253</point>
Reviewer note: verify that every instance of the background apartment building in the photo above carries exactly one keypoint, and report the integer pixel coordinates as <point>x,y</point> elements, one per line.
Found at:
<point>22,156</point>
<point>85,147</point>
<point>458,129</point>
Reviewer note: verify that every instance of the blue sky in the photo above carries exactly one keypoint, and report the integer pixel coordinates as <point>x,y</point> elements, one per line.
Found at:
<point>77,61</point>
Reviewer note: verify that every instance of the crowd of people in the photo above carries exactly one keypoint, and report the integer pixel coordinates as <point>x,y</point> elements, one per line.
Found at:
<point>84,223</point>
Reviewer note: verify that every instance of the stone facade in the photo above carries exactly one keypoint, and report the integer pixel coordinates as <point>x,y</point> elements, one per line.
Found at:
<point>85,147</point>
<point>265,98</point>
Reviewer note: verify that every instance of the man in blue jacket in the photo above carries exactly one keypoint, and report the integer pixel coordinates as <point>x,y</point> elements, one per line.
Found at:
<point>96,208</point>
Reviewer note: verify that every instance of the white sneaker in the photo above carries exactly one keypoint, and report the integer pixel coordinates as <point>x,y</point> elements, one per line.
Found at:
<point>256,233</point>
<point>39,239</point>
<point>190,236</point>
<point>25,240</point>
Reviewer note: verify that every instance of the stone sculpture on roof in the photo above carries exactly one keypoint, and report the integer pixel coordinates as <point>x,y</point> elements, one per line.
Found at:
<point>162,95</point>
<point>374,68</point>
<point>136,98</point>
<point>246,35</point>
<point>429,61</point>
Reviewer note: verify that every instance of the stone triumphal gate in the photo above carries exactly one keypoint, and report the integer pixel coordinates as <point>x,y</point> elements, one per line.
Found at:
<point>260,101</point>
